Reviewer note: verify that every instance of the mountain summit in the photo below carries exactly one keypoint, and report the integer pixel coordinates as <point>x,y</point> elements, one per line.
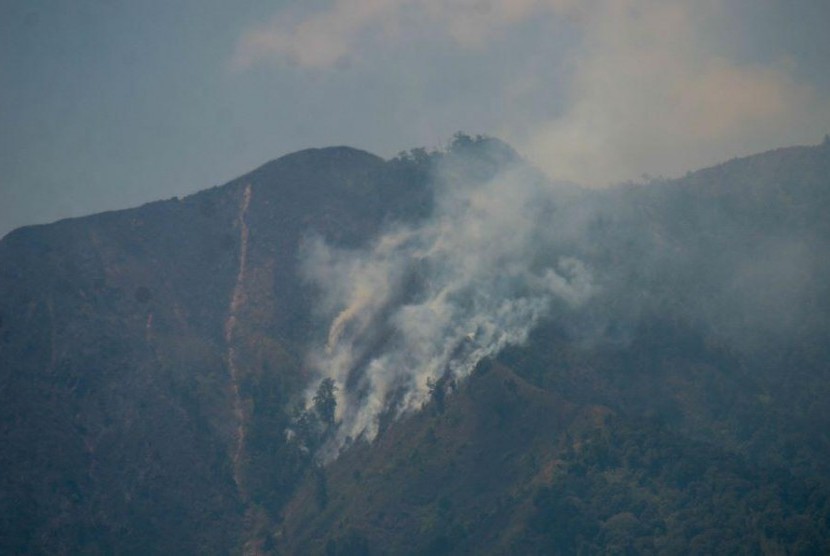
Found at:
<point>516,366</point>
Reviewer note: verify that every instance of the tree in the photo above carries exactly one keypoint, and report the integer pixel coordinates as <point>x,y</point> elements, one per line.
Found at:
<point>438,390</point>
<point>325,403</point>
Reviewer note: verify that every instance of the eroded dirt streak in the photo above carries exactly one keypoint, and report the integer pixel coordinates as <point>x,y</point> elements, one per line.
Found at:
<point>238,298</point>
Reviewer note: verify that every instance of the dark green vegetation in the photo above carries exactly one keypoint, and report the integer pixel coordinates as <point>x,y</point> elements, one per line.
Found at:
<point>152,359</point>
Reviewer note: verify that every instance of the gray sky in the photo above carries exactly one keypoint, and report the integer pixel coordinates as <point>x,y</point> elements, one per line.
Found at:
<point>107,104</point>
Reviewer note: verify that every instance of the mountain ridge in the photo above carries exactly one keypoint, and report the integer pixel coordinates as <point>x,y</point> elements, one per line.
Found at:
<point>151,360</point>
<point>305,154</point>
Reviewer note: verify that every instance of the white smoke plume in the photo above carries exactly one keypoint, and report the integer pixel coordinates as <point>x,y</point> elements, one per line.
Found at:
<point>432,300</point>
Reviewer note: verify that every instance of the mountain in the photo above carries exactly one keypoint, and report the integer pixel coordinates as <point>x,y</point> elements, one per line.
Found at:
<point>154,364</point>
<point>124,337</point>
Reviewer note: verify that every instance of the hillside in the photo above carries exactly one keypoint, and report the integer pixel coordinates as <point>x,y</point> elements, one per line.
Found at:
<point>146,360</point>
<point>152,360</point>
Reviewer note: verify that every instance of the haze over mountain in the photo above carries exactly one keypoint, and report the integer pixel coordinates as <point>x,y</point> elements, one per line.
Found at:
<point>443,352</point>
<point>113,104</point>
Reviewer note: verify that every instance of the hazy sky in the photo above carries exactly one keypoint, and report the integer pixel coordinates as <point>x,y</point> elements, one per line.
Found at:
<point>107,103</point>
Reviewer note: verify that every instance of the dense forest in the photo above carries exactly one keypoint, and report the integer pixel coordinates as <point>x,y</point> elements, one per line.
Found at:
<point>159,394</point>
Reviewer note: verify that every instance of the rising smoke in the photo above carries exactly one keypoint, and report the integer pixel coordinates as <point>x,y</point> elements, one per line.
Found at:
<point>428,301</point>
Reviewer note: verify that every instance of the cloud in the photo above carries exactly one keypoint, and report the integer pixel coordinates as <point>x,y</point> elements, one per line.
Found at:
<point>653,92</point>
<point>649,86</point>
<point>352,27</point>
<point>316,40</point>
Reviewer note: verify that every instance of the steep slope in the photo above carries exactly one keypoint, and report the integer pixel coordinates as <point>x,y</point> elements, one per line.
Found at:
<point>716,305</point>
<point>146,361</point>
<point>507,468</point>
<point>151,361</point>
<point>705,350</point>
<point>452,476</point>
<point>105,318</point>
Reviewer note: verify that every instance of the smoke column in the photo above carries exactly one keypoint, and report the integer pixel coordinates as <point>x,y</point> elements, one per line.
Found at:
<point>431,300</point>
